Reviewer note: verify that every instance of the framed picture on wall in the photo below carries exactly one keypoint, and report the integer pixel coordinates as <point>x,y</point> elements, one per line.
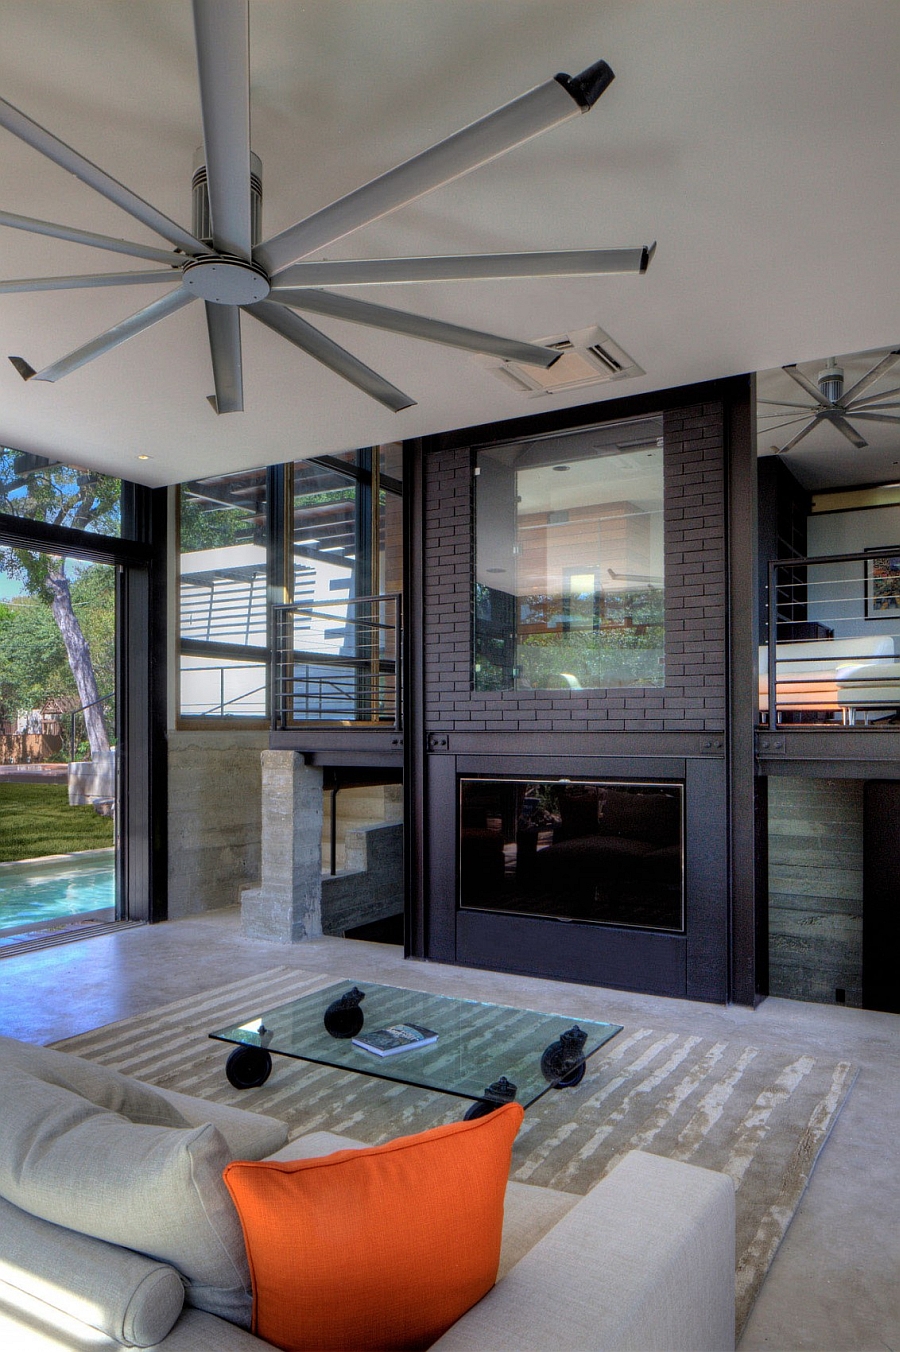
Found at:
<point>883,586</point>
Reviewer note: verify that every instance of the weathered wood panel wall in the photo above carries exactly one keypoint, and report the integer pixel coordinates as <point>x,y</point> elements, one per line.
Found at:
<point>816,889</point>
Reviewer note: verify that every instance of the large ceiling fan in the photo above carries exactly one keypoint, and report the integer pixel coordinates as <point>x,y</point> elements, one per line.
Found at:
<point>832,405</point>
<point>222,262</point>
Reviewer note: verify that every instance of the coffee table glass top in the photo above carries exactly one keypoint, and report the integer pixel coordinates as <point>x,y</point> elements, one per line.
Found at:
<point>478,1045</point>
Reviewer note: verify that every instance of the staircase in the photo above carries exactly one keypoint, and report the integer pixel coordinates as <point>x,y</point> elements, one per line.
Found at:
<point>358,809</point>
<point>367,885</point>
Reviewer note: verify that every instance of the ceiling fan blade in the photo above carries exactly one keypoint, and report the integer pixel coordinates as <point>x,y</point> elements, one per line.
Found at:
<point>317,345</point>
<point>873,416</point>
<point>870,377</point>
<point>874,400</point>
<point>47,144</point>
<point>223,323</point>
<point>846,430</point>
<point>783,403</point>
<point>804,432</point>
<point>123,246</point>
<point>221,30</point>
<point>871,408</point>
<point>95,279</point>
<point>550,103</point>
<point>466,267</point>
<point>415,326</point>
<point>805,383</point>
<point>789,422</point>
<point>105,342</point>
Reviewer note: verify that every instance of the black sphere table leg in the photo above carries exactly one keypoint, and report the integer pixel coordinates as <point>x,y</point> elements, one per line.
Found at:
<point>500,1092</point>
<point>248,1067</point>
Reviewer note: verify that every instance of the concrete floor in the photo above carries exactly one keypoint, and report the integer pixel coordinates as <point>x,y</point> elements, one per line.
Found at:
<point>835,1283</point>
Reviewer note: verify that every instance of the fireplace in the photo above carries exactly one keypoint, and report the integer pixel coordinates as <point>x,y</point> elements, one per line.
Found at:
<point>601,852</point>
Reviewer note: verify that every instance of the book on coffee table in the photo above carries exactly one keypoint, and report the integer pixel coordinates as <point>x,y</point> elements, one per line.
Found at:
<point>399,1037</point>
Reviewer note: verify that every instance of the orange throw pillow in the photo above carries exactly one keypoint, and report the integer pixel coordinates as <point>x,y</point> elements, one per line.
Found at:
<point>376,1250</point>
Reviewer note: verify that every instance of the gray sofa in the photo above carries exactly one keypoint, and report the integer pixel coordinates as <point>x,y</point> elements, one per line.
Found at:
<point>115,1230</point>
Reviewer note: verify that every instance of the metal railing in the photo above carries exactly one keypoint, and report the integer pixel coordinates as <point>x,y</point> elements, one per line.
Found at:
<point>338,662</point>
<point>244,704</point>
<point>832,650</point>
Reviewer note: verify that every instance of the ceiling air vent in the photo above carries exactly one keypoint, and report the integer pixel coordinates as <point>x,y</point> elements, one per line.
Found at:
<point>589,357</point>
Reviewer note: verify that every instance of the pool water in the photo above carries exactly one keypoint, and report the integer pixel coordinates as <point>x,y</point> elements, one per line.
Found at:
<point>50,889</point>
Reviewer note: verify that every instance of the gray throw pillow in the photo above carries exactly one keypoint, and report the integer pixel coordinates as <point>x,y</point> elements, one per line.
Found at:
<point>97,1083</point>
<point>155,1189</point>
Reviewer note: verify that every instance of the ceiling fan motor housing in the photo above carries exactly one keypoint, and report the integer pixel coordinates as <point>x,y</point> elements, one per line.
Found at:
<point>222,278</point>
<point>831,382</point>
<point>200,213</point>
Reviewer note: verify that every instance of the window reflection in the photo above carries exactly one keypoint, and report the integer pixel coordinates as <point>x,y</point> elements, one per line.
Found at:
<point>569,585</point>
<point>222,596</point>
<point>340,637</point>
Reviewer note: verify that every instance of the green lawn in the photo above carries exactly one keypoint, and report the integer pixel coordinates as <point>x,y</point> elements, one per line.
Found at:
<point>35,819</point>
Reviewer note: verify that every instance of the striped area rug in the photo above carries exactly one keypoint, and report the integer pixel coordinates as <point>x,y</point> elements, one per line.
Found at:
<point>759,1114</point>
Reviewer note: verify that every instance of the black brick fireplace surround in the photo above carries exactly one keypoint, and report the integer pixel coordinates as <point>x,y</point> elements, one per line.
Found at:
<point>676,732</point>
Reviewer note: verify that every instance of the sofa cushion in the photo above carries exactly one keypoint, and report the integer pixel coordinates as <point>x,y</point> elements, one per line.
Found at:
<point>643,1263</point>
<point>31,1325</point>
<point>314,1144</point>
<point>380,1248</point>
<point>132,1299</point>
<point>248,1136</point>
<point>156,1189</point>
<point>97,1083</point>
<point>529,1213</point>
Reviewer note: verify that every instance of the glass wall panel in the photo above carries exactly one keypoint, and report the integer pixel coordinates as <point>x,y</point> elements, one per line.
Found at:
<point>569,585</point>
<point>58,744</point>
<point>340,646</point>
<point>37,489</point>
<point>222,596</point>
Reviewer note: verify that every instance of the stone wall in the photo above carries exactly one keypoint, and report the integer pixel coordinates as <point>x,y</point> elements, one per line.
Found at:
<point>372,889</point>
<point>214,818</point>
<point>815,889</point>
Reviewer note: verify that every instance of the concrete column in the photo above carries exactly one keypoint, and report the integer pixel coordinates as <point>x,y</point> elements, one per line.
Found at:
<point>287,907</point>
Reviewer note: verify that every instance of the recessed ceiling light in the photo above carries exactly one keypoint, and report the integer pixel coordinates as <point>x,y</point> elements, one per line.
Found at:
<point>144,457</point>
<point>561,469</point>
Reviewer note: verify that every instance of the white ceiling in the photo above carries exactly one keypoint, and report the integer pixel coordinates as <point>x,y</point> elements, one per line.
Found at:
<point>755,140</point>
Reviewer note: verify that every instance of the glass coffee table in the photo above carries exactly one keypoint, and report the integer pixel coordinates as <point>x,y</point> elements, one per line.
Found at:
<point>490,1054</point>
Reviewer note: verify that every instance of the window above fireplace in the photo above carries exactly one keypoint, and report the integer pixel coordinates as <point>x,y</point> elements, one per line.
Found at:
<point>569,584</point>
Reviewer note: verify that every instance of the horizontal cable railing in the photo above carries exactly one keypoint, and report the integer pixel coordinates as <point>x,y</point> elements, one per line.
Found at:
<point>223,691</point>
<point>225,610</point>
<point>832,647</point>
<point>338,662</point>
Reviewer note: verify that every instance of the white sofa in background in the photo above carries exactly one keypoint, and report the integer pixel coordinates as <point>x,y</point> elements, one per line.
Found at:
<point>644,1261</point>
<point>834,675</point>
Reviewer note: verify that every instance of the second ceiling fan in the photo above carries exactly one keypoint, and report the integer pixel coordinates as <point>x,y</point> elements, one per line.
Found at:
<point>832,405</point>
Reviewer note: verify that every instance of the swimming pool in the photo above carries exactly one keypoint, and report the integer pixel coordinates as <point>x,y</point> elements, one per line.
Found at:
<point>50,889</point>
